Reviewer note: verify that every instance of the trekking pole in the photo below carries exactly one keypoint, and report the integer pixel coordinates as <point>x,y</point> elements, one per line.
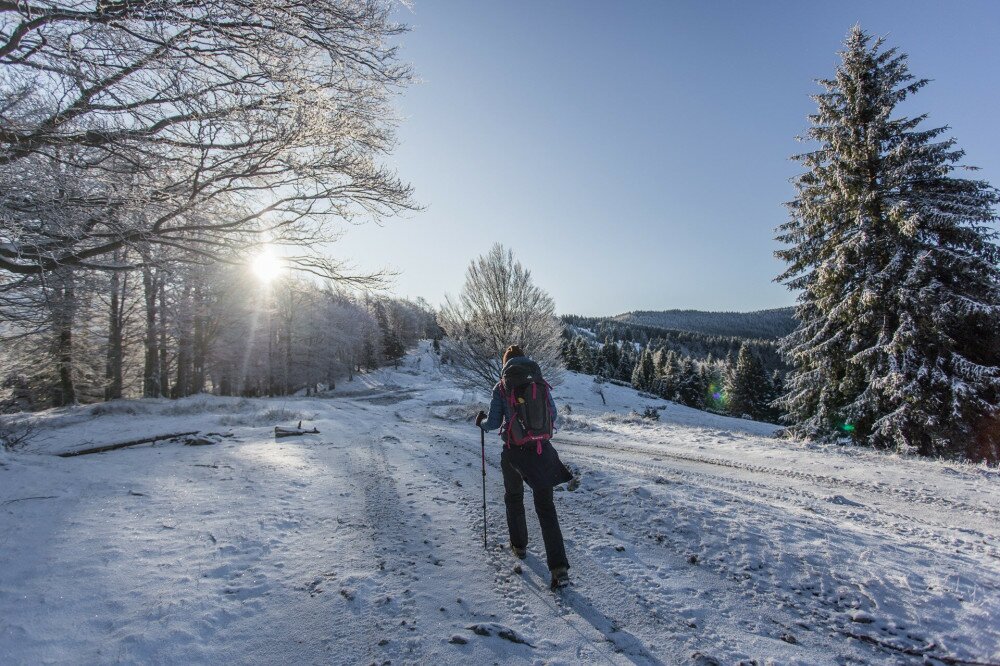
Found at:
<point>482,439</point>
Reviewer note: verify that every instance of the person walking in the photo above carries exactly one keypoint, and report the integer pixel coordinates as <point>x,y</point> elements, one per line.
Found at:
<point>523,409</point>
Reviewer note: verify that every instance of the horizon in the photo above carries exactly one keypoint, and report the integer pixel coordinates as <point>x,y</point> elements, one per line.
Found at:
<point>628,312</point>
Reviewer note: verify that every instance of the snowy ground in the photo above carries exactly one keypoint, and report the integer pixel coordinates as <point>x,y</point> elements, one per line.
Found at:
<point>695,539</point>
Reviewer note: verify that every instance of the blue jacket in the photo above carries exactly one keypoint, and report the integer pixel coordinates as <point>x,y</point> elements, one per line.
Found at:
<point>500,410</point>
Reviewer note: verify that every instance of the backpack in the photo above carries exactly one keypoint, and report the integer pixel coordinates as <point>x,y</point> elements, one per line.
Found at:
<point>527,395</point>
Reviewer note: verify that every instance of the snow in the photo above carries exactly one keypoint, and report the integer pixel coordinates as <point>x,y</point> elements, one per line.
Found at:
<point>695,538</point>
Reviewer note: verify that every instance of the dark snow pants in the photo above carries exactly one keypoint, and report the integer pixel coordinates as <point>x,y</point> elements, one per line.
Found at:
<point>513,497</point>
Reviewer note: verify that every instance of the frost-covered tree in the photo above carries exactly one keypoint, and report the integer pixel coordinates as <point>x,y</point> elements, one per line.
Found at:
<point>626,363</point>
<point>500,305</point>
<point>894,258</point>
<point>713,374</point>
<point>668,374</point>
<point>203,126</point>
<point>644,373</point>
<point>691,386</point>
<point>611,356</point>
<point>586,356</point>
<point>749,389</point>
<point>775,389</point>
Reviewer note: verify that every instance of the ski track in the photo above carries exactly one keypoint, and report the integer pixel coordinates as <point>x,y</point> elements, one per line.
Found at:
<point>364,545</point>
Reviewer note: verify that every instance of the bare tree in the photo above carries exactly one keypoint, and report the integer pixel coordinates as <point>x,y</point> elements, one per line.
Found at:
<point>159,136</point>
<point>202,126</point>
<point>499,305</point>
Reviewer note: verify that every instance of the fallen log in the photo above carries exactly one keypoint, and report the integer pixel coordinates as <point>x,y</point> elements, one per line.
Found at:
<point>292,432</point>
<point>122,445</point>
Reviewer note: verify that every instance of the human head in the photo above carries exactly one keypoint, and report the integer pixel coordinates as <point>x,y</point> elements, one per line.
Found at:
<point>511,352</point>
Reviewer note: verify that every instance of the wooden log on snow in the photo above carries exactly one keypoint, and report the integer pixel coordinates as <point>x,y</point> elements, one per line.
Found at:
<point>292,432</point>
<point>122,445</point>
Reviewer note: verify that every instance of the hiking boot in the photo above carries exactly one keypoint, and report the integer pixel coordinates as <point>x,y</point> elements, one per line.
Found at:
<point>560,577</point>
<point>519,552</point>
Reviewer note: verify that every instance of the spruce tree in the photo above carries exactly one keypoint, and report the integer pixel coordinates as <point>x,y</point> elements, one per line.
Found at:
<point>774,389</point>
<point>609,357</point>
<point>392,347</point>
<point>749,387</point>
<point>570,357</point>
<point>661,362</point>
<point>644,373</point>
<point>690,390</point>
<point>626,363</point>
<point>895,260</point>
<point>715,392</point>
<point>584,356</point>
<point>668,380</point>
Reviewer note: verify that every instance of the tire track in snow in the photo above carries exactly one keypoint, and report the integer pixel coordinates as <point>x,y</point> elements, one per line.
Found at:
<point>818,479</point>
<point>822,612</point>
<point>907,526</point>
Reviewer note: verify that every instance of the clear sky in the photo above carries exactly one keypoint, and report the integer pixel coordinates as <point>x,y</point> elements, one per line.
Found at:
<point>635,154</point>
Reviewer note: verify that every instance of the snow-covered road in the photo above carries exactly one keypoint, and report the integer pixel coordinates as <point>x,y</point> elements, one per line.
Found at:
<point>695,539</point>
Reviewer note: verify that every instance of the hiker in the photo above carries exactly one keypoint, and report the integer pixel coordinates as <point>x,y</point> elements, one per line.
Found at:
<point>528,455</point>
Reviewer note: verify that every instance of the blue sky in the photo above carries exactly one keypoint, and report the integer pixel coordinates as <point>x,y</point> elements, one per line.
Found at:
<point>635,154</point>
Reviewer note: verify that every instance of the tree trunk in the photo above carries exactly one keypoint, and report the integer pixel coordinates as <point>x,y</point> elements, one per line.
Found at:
<point>151,368</point>
<point>286,379</point>
<point>183,323</point>
<point>163,369</point>
<point>116,313</point>
<point>270,347</point>
<point>65,314</point>
<point>199,350</point>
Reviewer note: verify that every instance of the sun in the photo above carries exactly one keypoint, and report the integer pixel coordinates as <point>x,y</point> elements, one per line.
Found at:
<point>266,266</point>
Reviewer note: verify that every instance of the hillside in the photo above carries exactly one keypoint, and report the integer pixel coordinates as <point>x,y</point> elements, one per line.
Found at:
<point>767,324</point>
<point>694,538</point>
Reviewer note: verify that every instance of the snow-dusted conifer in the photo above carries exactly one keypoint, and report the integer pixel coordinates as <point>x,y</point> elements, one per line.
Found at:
<point>644,373</point>
<point>667,383</point>
<point>626,363</point>
<point>569,356</point>
<point>583,353</point>
<point>749,386</point>
<point>690,389</point>
<point>896,263</point>
<point>611,355</point>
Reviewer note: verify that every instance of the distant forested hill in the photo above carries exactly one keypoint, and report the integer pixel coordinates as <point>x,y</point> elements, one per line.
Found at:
<point>766,324</point>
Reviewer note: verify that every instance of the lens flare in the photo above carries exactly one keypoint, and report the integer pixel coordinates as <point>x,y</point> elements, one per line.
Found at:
<point>717,397</point>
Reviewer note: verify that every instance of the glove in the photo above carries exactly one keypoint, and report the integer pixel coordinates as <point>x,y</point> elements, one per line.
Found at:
<point>480,417</point>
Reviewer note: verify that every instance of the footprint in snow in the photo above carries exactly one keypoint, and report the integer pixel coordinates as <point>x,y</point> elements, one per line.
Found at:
<point>499,630</point>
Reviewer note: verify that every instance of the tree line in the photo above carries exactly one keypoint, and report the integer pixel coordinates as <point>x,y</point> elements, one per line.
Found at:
<point>769,324</point>
<point>737,385</point>
<point>699,346</point>
<point>183,329</point>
